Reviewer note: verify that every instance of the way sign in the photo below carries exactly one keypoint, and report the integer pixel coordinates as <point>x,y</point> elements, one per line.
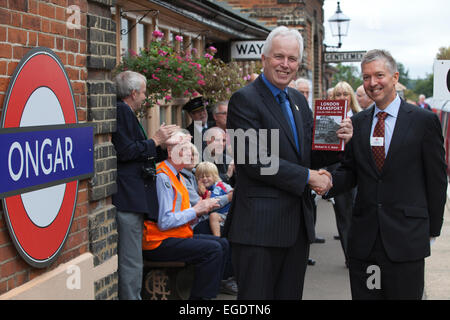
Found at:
<point>343,56</point>
<point>246,49</point>
<point>44,154</point>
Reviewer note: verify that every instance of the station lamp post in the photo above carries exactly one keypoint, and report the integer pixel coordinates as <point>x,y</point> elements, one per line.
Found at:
<point>339,23</point>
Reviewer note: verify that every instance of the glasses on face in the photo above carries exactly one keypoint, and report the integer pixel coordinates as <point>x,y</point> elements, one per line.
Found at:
<point>223,112</point>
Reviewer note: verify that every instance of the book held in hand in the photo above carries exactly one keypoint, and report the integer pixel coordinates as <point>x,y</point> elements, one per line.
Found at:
<point>328,114</point>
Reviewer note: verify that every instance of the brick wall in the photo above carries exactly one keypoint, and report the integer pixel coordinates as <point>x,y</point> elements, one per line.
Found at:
<point>102,111</point>
<point>88,54</point>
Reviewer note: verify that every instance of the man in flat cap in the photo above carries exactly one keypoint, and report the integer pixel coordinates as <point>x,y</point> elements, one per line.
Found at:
<point>199,115</point>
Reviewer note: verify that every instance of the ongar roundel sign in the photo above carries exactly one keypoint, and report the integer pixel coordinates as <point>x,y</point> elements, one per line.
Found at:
<point>45,152</point>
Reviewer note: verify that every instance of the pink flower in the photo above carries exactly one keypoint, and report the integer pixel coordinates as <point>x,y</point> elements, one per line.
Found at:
<point>168,98</point>
<point>186,92</point>
<point>132,52</point>
<point>194,94</point>
<point>158,34</point>
<point>162,53</point>
<point>208,56</point>
<point>180,76</point>
<point>212,49</point>
<point>179,38</point>
<point>155,77</point>
<point>201,82</point>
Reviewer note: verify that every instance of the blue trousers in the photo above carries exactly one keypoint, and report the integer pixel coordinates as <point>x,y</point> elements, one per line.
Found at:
<point>206,252</point>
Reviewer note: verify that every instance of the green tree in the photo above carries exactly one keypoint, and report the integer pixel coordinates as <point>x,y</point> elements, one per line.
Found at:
<point>443,54</point>
<point>403,75</point>
<point>348,73</point>
<point>424,86</point>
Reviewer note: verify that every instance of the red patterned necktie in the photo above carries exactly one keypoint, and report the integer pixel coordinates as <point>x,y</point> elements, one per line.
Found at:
<point>378,151</point>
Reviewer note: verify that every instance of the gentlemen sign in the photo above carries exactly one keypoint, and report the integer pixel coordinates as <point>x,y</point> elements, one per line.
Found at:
<point>44,154</point>
<point>344,56</point>
<point>246,49</point>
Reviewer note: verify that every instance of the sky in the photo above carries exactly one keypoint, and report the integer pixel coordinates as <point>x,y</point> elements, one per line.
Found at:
<point>411,30</point>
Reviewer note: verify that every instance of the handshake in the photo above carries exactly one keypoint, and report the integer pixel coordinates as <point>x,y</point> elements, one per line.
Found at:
<point>320,181</point>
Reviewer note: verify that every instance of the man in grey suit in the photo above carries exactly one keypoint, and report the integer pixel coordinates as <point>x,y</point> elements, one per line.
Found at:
<point>270,223</point>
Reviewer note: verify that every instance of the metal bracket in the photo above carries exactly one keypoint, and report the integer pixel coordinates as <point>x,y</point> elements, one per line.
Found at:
<point>147,12</point>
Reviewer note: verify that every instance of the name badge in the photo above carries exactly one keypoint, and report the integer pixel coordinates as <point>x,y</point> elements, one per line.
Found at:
<point>376,141</point>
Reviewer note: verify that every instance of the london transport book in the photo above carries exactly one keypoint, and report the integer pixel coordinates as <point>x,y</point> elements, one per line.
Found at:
<point>328,114</point>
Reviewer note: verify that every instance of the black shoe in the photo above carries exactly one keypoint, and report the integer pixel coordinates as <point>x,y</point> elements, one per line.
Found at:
<point>311,262</point>
<point>337,237</point>
<point>319,240</point>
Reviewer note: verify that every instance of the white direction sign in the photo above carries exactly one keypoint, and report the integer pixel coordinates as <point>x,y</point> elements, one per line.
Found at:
<point>441,84</point>
<point>343,56</point>
<point>247,49</point>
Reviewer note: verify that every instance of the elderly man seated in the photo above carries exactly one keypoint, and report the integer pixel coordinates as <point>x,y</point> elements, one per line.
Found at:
<point>172,238</point>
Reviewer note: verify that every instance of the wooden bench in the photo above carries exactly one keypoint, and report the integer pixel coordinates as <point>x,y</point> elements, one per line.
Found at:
<point>169,280</point>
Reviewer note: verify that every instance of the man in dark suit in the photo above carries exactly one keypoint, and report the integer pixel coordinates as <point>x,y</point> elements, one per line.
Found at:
<point>196,108</point>
<point>396,158</point>
<point>136,194</point>
<point>270,223</point>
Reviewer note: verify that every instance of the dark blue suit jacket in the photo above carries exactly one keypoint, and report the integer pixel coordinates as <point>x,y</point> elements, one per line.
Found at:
<point>134,194</point>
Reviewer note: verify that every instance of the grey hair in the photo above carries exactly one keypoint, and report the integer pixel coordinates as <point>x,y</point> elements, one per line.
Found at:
<point>283,31</point>
<point>216,106</point>
<point>127,81</point>
<point>302,80</point>
<point>378,54</point>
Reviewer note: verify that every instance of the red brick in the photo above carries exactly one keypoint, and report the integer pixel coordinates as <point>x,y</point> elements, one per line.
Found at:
<point>33,7</point>
<point>47,10</point>
<point>5,50</point>
<point>18,5</point>
<point>31,22</point>
<point>12,66</point>
<point>60,44</point>
<point>45,25</point>
<point>13,266</point>
<point>4,82</point>
<point>58,28</point>
<point>2,33</point>
<point>46,40</point>
<point>7,252</point>
<point>16,19</point>
<point>17,36</point>
<point>32,39</point>
<point>19,52</point>
<point>71,45</point>
<point>2,72</point>
<point>5,15</point>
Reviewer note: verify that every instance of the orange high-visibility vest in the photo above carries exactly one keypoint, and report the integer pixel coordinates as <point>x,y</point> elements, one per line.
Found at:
<point>152,236</point>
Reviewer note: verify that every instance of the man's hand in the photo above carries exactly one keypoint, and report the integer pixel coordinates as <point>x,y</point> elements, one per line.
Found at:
<point>204,206</point>
<point>164,133</point>
<point>346,130</point>
<point>320,181</point>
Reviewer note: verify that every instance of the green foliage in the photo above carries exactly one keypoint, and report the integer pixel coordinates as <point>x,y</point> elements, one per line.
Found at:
<point>444,53</point>
<point>348,73</point>
<point>181,74</point>
<point>424,86</point>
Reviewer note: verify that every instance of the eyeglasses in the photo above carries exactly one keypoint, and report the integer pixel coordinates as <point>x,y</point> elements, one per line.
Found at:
<point>224,112</point>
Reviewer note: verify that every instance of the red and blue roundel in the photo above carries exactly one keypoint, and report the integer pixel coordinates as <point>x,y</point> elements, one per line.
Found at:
<point>44,154</point>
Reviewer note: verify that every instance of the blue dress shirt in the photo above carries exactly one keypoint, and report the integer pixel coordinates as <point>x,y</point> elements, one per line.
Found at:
<point>166,218</point>
<point>389,122</point>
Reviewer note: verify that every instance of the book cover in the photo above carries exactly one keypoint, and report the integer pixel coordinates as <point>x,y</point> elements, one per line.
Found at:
<point>328,114</point>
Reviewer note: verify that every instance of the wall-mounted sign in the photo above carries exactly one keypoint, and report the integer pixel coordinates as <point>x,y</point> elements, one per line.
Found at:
<point>44,154</point>
<point>441,82</point>
<point>247,49</point>
<point>343,56</point>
